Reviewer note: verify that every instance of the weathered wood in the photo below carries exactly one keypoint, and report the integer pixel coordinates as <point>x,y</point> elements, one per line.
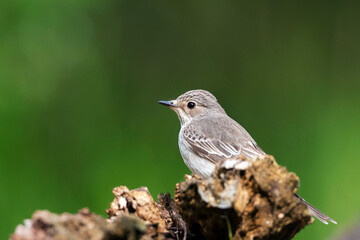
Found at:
<point>248,200</point>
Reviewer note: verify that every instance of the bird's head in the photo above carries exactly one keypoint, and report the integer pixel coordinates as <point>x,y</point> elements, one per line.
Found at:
<point>194,104</point>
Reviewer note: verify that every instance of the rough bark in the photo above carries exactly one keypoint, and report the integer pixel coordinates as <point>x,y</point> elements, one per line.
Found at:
<point>242,201</point>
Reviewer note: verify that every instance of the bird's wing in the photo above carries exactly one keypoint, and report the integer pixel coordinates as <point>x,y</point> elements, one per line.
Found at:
<point>215,148</point>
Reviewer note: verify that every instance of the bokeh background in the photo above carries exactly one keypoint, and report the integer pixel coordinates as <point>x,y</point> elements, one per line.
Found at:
<point>80,81</point>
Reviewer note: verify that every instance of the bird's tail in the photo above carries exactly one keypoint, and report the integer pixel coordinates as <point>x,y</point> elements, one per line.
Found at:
<point>316,212</point>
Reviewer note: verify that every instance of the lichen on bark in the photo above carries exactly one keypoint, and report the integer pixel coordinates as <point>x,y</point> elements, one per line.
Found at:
<point>249,200</point>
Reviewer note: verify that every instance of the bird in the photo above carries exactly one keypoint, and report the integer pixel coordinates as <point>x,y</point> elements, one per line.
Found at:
<point>208,135</point>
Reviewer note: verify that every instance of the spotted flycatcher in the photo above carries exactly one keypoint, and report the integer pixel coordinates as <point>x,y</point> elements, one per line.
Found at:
<point>209,135</point>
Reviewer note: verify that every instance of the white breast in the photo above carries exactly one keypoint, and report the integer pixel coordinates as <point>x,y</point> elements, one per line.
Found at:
<point>194,162</point>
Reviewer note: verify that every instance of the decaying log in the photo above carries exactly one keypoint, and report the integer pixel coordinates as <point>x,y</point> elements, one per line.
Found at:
<point>140,203</point>
<point>84,225</point>
<point>253,202</point>
<point>242,200</point>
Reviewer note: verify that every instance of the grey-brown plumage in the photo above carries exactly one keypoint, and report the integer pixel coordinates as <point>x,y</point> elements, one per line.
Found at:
<point>215,143</point>
<point>209,135</point>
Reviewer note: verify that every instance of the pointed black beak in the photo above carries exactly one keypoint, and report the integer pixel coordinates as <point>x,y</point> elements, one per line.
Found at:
<point>167,103</point>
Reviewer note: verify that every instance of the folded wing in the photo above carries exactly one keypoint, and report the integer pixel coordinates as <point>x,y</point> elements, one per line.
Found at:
<point>216,148</point>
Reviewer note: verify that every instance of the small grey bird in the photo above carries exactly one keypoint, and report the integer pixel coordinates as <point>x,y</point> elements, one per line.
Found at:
<point>208,135</point>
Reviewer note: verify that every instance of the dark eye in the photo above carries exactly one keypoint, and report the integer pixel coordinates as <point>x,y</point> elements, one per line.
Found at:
<point>191,105</point>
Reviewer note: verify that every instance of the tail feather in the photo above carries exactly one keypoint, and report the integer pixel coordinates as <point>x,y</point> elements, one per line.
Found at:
<point>316,212</point>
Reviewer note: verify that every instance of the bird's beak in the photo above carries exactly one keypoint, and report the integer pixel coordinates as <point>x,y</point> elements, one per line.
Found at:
<point>167,103</point>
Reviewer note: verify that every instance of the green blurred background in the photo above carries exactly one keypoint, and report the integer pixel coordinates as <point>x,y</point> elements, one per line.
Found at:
<point>80,81</point>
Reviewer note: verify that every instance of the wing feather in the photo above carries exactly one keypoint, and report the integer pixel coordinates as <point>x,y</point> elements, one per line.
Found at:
<point>215,147</point>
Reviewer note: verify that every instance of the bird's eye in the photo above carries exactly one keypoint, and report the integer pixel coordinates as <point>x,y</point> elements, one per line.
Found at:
<point>191,105</point>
